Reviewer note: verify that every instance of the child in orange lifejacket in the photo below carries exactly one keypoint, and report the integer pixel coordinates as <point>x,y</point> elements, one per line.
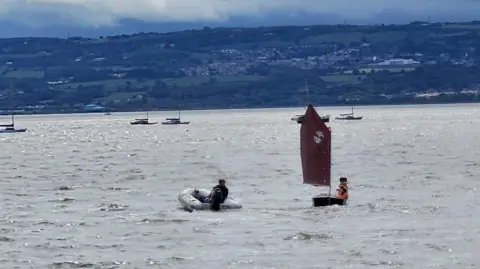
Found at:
<point>342,191</point>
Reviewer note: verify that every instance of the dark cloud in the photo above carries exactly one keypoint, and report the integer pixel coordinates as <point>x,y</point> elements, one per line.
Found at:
<point>95,15</point>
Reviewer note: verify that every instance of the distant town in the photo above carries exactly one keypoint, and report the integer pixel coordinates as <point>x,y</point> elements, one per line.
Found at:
<point>242,67</point>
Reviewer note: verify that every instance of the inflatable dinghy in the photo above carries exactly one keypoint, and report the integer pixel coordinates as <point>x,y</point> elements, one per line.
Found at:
<point>189,199</point>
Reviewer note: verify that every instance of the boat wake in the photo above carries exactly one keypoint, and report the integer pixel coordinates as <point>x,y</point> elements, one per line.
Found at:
<point>305,236</point>
<point>164,221</point>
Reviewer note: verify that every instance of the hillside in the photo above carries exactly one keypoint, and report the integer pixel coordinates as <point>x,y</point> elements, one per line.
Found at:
<point>245,67</point>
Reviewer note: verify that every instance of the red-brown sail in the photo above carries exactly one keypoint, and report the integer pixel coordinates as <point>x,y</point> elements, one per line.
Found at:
<point>315,143</point>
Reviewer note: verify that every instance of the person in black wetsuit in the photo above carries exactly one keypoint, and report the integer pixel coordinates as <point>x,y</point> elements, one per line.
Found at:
<point>222,187</point>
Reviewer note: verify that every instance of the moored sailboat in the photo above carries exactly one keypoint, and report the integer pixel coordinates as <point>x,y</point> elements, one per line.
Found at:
<point>175,121</point>
<point>348,116</point>
<point>299,118</point>
<point>10,128</point>
<point>315,150</point>
<point>143,121</point>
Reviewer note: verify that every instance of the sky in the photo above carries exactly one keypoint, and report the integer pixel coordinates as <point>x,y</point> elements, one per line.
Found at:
<point>110,13</point>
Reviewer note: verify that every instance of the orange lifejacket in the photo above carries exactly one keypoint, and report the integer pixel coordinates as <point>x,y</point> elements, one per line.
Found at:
<point>342,191</point>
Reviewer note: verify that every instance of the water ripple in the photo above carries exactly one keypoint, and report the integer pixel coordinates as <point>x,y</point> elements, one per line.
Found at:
<point>92,191</point>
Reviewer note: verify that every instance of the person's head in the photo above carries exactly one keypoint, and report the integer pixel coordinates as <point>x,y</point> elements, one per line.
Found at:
<point>196,193</point>
<point>221,182</point>
<point>343,180</point>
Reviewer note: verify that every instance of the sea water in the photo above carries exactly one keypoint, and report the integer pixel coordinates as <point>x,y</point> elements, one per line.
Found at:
<point>93,191</point>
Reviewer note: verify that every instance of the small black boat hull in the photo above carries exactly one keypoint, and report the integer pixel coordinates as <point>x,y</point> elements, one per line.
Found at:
<point>142,123</point>
<point>11,131</point>
<point>299,120</point>
<point>319,201</point>
<point>175,123</point>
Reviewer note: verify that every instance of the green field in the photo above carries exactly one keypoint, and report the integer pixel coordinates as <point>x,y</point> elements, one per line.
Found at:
<point>265,44</point>
<point>390,36</point>
<point>393,70</point>
<point>196,80</point>
<point>120,96</point>
<point>111,84</point>
<point>25,73</point>
<point>204,57</point>
<point>347,75</point>
<point>179,82</point>
<point>462,26</point>
<point>342,78</point>
<point>16,56</point>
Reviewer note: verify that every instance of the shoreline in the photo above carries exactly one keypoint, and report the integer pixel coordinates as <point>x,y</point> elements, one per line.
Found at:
<point>63,112</point>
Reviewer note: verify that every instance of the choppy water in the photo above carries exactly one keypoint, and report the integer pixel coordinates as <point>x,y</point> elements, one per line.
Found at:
<point>92,191</point>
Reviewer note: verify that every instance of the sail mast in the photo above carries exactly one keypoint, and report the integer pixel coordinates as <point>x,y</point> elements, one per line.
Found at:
<point>12,108</point>
<point>178,107</point>
<point>180,94</point>
<point>330,162</point>
<point>350,86</point>
<point>147,103</point>
<point>308,92</point>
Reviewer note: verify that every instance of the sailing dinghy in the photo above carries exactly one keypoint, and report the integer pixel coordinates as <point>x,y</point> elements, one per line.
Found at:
<point>315,150</point>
